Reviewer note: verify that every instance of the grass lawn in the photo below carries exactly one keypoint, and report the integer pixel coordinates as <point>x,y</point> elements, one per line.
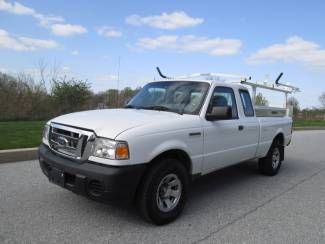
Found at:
<point>309,123</point>
<point>20,134</point>
<point>24,134</point>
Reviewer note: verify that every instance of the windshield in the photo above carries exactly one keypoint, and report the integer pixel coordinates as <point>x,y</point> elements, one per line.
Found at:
<point>174,96</point>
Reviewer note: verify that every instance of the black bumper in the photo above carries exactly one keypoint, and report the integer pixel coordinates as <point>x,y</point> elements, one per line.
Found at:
<point>96,181</point>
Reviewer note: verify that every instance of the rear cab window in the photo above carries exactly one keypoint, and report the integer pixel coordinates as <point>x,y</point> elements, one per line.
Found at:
<point>247,103</point>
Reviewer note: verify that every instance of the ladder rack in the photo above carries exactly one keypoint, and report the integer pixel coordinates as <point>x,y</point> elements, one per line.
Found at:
<point>280,87</point>
<point>245,80</point>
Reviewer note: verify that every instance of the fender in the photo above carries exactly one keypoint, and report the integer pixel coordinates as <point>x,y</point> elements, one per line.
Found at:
<point>279,131</point>
<point>174,144</point>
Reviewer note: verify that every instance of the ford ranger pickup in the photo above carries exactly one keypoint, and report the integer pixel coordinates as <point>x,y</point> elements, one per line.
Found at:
<point>169,133</point>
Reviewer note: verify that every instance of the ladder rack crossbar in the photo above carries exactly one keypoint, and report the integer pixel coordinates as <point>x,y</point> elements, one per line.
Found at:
<point>213,76</point>
<point>273,87</point>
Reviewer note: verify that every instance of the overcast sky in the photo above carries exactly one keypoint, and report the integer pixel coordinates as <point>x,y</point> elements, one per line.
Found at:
<point>86,38</point>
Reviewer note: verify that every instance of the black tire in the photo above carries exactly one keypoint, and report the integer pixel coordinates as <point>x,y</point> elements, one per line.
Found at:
<point>267,166</point>
<point>147,194</point>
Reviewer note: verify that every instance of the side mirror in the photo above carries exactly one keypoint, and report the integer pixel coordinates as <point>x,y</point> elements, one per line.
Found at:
<point>219,113</point>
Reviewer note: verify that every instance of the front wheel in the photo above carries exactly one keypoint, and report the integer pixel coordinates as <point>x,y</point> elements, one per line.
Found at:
<point>270,165</point>
<point>162,195</point>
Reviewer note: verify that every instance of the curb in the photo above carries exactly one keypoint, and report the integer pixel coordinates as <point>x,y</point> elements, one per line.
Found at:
<point>14,155</point>
<point>308,128</point>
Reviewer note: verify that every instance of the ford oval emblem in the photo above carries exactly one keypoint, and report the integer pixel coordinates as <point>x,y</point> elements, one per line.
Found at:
<point>62,141</point>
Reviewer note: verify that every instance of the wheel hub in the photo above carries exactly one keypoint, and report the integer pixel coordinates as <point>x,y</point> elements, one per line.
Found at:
<point>169,192</point>
<point>275,158</point>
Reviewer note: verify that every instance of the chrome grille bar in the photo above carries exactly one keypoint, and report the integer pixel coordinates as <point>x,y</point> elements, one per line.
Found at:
<point>69,141</point>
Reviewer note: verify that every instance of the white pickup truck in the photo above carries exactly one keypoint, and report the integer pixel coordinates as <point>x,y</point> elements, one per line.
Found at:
<point>149,151</point>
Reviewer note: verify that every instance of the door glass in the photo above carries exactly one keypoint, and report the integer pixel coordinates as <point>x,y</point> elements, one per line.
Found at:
<point>223,96</point>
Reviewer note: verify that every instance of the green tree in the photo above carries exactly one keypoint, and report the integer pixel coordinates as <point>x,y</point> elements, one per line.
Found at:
<point>260,100</point>
<point>126,94</point>
<point>70,95</point>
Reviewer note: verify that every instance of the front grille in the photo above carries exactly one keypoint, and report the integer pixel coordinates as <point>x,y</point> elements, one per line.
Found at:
<point>72,138</point>
<point>68,141</point>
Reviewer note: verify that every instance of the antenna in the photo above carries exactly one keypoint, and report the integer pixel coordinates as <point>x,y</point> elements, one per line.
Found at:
<point>118,80</point>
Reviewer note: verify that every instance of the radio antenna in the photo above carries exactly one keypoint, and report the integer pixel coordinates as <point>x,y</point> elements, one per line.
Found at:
<point>118,81</point>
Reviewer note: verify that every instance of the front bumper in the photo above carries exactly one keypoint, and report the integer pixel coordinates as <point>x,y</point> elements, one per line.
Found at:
<point>100,182</point>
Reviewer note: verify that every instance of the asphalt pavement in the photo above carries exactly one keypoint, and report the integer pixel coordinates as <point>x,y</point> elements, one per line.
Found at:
<point>233,205</point>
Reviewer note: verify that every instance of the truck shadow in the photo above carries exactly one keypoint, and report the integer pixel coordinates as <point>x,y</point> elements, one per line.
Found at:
<point>229,176</point>
<point>222,192</point>
<point>206,188</point>
<point>222,183</point>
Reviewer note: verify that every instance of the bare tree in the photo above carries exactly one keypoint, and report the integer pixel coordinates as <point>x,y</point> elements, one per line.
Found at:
<point>42,66</point>
<point>322,99</point>
<point>292,101</point>
<point>49,72</point>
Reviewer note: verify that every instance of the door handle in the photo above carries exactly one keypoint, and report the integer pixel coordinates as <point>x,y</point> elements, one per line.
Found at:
<point>195,134</point>
<point>240,127</point>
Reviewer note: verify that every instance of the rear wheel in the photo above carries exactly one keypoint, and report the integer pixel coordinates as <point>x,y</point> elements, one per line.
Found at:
<point>270,165</point>
<point>162,194</point>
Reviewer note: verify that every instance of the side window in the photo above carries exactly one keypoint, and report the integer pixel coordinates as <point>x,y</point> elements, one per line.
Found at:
<point>223,96</point>
<point>247,103</point>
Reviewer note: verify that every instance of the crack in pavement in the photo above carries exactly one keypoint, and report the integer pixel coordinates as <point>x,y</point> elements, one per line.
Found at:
<point>259,206</point>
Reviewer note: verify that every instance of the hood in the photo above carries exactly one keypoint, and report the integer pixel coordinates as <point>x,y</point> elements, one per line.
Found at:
<point>110,123</point>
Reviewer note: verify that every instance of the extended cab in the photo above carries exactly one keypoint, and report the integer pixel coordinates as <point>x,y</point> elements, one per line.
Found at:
<point>171,132</point>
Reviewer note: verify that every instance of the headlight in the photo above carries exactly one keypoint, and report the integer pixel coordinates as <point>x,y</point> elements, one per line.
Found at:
<point>110,149</point>
<point>45,135</point>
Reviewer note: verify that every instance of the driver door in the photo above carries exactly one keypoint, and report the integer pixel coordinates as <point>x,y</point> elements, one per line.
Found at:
<point>221,136</point>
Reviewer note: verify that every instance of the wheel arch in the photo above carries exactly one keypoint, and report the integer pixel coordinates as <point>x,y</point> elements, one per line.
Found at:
<point>280,137</point>
<point>179,154</point>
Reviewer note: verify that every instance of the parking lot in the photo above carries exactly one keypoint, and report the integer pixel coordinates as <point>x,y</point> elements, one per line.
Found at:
<point>234,205</point>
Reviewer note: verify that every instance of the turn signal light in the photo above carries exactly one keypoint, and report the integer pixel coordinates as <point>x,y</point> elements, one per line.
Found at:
<point>122,151</point>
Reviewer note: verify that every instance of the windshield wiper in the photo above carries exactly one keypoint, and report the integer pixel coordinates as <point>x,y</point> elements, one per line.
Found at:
<point>130,106</point>
<point>154,107</point>
<point>159,108</point>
